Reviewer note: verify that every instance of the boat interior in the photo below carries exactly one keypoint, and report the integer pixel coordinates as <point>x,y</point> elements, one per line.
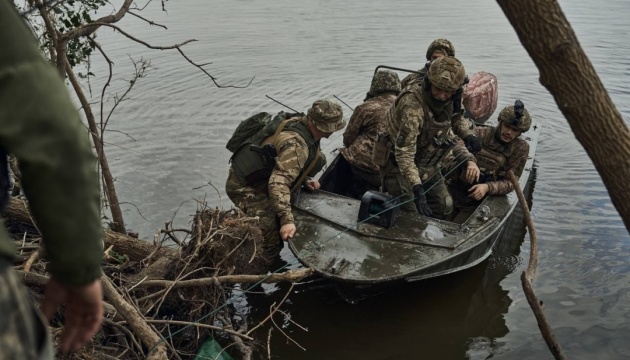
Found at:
<point>339,179</point>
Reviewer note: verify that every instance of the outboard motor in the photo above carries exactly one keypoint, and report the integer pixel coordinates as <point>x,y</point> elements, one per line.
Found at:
<point>379,209</point>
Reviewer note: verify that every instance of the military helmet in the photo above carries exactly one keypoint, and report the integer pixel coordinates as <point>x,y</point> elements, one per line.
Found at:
<point>447,73</point>
<point>516,116</point>
<point>440,45</point>
<point>384,81</point>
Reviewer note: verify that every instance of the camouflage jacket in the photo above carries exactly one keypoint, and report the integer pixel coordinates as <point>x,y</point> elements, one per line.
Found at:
<point>365,123</point>
<point>514,156</point>
<point>405,125</point>
<point>292,156</point>
<point>413,79</point>
<point>41,127</point>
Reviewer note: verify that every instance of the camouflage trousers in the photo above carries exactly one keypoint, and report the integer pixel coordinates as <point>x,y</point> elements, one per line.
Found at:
<point>363,180</point>
<point>254,201</point>
<point>438,197</point>
<point>23,333</point>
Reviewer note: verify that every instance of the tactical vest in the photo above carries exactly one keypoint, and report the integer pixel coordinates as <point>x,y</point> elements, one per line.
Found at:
<point>493,156</point>
<point>435,139</point>
<point>252,167</point>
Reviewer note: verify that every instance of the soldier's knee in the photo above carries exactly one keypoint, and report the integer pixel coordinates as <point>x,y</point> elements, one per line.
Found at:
<point>448,205</point>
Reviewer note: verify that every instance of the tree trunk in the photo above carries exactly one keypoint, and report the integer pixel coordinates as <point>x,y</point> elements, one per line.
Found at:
<point>568,74</point>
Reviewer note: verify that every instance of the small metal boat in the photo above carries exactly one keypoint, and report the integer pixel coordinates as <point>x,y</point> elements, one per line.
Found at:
<point>332,241</point>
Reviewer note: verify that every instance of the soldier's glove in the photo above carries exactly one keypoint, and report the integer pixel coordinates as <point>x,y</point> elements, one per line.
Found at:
<point>473,143</point>
<point>421,201</point>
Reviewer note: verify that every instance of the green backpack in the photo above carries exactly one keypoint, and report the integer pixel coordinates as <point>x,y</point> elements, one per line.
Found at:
<point>256,128</point>
<point>246,129</point>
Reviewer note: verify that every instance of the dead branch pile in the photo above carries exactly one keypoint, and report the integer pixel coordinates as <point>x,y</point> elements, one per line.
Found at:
<point>163,301</point>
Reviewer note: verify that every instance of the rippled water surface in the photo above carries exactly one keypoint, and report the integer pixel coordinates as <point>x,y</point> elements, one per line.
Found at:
<point>299,51</point>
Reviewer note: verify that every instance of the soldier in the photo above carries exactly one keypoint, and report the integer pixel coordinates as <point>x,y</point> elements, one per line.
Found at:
<point>40,126</point>
<point>437,49</point>
<point>365,123</point>
<point>418,135</point>
<point>266,192</point>
<point>502,150</point>
<point>462,127</point>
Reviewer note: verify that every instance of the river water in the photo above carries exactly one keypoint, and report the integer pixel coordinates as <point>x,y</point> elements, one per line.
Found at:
<point>298,51</point>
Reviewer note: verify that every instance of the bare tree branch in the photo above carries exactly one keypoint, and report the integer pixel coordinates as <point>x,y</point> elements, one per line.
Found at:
<point>291,276</point>
<point>142,8</point>
<point>528,276</point>
<point>88,29</point>
<point>149,21</point>
<point>109,78</point>
<point>139,72</point>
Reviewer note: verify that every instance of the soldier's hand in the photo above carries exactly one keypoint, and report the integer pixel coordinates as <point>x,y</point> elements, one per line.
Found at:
<point>478,191</point>
<point>472,172</point>
<point>421,201</point>
<point>84,311</point>
<point>472,143</point>
<point>287,231</point>
<point>312,184</point>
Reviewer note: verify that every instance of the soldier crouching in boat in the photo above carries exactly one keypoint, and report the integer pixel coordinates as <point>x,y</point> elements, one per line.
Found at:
<point>261,182</point>
<point>418,135</point>
<point>502,150</point>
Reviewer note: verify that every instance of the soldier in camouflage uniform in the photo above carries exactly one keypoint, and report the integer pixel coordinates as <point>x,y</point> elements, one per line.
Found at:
<point>417,137</point>
<point>40,126</point>
<point>297,148</point>
<point>502,150</point>
<point>365,123</point>
<point>462,127</point>
<point>437,49</point>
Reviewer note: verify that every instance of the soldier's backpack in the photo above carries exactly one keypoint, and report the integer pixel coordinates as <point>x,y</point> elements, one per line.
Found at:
<point>247,129</point>
<point>256,128</point>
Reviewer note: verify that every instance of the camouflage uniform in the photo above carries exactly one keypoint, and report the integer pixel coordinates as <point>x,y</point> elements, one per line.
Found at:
<point>270,199</point>
<point>416,158</point>
<point>494,160</point>
<point>442,46</point>
<point>414,79</point>
<point>40,126</point>
<point>366,122</point>
<point>22,331</point>
<point>420,134</point>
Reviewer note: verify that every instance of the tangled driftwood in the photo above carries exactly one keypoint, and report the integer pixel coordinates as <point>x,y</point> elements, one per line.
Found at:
<point>164,302</point>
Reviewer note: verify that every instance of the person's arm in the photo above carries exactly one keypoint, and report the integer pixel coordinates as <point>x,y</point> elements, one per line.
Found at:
<point>354,126</point>
<point>409,117</point>
<point>461,153</point>
<point>292,156</point>
<point>462,126</point>
<point>40,126</point>
<point>516,163</point>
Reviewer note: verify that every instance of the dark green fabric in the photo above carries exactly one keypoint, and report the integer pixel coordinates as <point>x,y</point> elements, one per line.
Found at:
<point>246,162</point>
<point>41,127</point>
<point>246,129</point>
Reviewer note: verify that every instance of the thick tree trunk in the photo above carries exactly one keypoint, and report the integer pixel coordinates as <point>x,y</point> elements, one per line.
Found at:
<point>568,74</point>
